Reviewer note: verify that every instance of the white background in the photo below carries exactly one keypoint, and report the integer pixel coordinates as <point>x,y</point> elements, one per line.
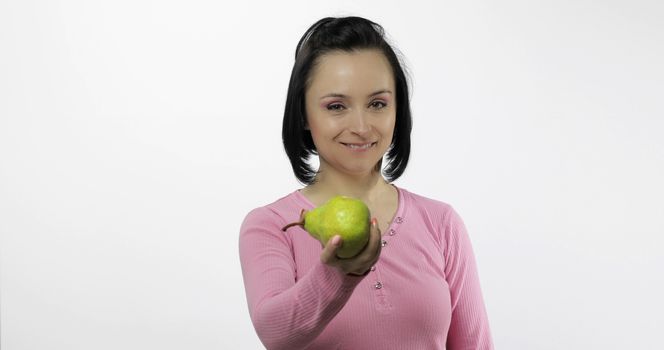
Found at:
<point>135,135</point>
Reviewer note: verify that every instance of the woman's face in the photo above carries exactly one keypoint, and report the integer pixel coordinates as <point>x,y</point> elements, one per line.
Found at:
<point>351,109</point>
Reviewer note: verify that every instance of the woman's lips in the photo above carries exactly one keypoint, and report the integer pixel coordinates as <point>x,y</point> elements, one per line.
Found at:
<point>359,147</point>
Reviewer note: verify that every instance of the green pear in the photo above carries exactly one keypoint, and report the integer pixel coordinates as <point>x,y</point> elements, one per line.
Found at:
<point>344,216</point>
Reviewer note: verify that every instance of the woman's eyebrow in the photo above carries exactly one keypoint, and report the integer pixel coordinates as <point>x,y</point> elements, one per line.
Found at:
<point>345,96</point>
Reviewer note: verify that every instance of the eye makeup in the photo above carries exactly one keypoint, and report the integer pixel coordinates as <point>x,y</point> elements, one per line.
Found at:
<point>385,100</point>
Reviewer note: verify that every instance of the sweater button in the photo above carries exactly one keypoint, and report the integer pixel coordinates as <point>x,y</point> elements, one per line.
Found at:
<point>378,285</point>
<point>392,232</point>
<point>399,219</point>
<point>383,243</point>
<point>373,268</point>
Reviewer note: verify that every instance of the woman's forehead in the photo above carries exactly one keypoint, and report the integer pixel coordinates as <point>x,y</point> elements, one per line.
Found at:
<point>356,72</point>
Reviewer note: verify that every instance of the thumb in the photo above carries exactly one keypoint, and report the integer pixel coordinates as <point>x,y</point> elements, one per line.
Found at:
<point>375,237</point>
<point>329,253</point>
<point>374,227</point>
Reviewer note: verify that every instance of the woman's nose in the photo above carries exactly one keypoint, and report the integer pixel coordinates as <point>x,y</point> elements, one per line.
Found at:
<point>359,122</point>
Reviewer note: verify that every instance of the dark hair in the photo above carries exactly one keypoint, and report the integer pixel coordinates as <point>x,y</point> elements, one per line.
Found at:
<point>346,34</point>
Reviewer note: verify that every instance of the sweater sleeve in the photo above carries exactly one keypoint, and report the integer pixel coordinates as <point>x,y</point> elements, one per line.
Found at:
<point>286,314</point>
<point>469,327</point>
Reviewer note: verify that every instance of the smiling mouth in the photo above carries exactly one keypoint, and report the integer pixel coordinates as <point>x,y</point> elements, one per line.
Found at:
<point>359,146</point>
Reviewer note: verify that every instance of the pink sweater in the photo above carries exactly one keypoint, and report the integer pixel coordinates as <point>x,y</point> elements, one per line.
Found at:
<point>424,292</point>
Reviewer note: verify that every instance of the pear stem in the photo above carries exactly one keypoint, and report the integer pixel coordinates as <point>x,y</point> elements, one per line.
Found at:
<point>298,223</point>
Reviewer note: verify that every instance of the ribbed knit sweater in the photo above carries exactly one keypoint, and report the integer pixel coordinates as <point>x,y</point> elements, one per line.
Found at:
<point>423,293</point>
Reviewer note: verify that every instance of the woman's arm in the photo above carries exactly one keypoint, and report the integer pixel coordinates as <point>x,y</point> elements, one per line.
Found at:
<point>286,314</point>
<point>469,328</point>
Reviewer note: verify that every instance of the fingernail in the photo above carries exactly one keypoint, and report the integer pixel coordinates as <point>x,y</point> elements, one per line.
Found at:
<point>335,240</point>
<point>374,222</point>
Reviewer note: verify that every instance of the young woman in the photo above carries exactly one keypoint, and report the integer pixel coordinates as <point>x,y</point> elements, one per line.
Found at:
<point>415,285</point>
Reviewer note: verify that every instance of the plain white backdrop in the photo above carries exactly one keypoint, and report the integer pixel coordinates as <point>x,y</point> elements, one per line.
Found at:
<point>136,135</point>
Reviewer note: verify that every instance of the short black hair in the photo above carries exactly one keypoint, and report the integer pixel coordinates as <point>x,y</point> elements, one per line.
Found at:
<point>345,34</point>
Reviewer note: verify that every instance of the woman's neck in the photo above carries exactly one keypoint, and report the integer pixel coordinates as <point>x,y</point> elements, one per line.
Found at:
<point>368,187</point>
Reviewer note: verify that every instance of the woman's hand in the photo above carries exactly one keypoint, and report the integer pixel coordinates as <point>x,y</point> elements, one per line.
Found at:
<point>359,264</point>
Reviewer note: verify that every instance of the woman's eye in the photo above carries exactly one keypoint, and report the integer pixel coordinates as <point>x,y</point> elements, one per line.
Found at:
<point>335,107</point>
<point>378,104</point>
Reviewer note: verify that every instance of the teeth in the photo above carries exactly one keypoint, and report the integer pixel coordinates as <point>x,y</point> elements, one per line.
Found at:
<point>360,146</point>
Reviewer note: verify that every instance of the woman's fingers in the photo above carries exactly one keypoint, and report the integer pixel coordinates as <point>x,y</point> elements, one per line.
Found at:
<point>369,256</point>
<point>329,253</point>
<point>360,263</point>
<point>374,239</point>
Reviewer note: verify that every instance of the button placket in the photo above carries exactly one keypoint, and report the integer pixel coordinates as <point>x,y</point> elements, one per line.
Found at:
<point>381,295</point>
<point>381,290</point>
<point>377,284</point>
<point>391,231</point>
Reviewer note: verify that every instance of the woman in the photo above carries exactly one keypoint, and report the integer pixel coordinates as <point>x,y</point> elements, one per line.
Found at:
<point>415,285</point>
